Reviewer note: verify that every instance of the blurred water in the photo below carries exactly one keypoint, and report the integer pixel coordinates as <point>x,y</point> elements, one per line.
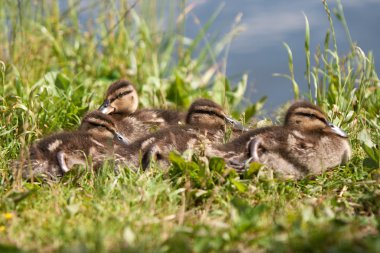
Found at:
<point>259,50</point>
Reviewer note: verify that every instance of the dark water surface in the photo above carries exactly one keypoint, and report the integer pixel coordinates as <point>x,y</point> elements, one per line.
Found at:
<point>259,50</point>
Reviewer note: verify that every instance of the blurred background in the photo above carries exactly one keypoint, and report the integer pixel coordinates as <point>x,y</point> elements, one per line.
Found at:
<point>250,34</point>
<point>259,50</point>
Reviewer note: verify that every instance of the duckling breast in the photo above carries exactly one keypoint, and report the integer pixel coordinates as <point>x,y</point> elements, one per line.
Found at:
<point>316,154</point>
<point>335,150</point>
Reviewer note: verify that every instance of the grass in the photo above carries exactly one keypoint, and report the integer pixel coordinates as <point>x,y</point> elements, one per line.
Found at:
<point>53,69</point>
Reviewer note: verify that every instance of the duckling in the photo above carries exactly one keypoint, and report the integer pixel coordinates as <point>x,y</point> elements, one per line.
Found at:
<point>57,154</point>
<point>122,101</point>
<point>205,122</point>
<point>306,144</point>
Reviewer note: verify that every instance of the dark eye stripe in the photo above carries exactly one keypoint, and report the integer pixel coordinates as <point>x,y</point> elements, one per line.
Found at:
<point>310,115</point>
<point>100,117</point>
<point>95,125</point>
<point>209,113</point>
<point>120,95</point>
<point>305,114</point>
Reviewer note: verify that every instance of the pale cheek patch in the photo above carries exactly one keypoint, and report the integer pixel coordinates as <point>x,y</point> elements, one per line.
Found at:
<point>53,146</point>
<point>135,103</point>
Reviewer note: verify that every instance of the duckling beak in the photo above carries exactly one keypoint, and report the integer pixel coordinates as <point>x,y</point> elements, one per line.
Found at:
<point>236,124</point>
<point>106,108</point>
<point>121,138</point>
<point>337,130</point>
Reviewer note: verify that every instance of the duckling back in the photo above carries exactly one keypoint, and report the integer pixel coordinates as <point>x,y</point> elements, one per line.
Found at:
<point>57,154</point>
<point>205,124</point>
<point>44,154</point>
<point>159,117</point>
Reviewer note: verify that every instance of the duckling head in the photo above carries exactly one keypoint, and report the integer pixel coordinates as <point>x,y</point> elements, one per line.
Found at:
<point>307,117</point>
<point>207,113</point>
<point>102,126</point>
<point>121,97</point>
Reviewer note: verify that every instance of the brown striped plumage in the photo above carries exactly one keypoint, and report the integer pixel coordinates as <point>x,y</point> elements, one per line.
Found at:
<point>205,124</point>
<point>57,154</point>
<point>306,144</point>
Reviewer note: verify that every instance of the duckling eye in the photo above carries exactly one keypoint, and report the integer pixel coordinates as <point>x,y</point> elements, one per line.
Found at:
<point>309,115</point>
<point>123,93</point>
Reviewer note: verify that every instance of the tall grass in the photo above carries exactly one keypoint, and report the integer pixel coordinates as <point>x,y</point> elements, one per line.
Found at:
<point>347,86</point>
<point>58,63</point>
<point>54,67</point>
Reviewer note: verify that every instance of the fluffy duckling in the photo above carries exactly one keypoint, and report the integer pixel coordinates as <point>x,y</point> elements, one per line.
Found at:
<point>306,144</point>
<point>205,122</point>
<point>122,101</point>
<point>57,154</point>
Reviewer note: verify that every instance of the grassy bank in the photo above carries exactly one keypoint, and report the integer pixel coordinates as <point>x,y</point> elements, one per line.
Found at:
<point>53,69</point>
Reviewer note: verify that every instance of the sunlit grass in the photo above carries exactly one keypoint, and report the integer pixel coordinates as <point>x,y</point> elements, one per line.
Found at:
<point>53,69</point>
